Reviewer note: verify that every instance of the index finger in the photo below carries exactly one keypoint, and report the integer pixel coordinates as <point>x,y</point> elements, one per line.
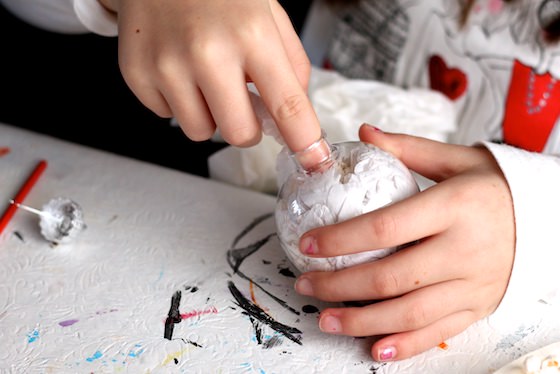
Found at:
<point>288,104</point>
<point>284,95</point>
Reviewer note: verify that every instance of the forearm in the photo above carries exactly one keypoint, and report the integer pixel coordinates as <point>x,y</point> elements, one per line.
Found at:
<point>66,16</point>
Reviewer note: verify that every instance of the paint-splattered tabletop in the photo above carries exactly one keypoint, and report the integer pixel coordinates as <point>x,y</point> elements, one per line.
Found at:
<point>179,274</point>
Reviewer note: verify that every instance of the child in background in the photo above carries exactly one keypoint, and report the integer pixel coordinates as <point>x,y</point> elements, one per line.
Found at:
<point>486,237</point>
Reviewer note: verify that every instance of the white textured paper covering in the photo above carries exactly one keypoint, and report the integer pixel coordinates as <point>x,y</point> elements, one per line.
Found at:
<point>99,303</point>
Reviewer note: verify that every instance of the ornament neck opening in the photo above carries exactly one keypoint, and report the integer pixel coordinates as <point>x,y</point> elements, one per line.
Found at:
<point>315,158</point>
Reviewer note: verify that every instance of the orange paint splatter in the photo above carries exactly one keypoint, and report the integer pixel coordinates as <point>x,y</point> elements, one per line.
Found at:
<point>443,345</point>
<point>553,363</point>
<point>252,290</point>
<point>254,299</point>
<point>4,151</point>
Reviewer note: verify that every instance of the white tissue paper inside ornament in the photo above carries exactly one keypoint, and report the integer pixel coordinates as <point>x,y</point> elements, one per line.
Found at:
<point>362,178</point>
<point>61,220</point>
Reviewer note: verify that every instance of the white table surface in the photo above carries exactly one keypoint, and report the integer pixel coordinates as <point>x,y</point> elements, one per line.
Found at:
<point>99,304</point>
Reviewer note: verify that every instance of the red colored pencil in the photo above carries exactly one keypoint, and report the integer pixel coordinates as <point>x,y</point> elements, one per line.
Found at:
<point>22,193</point>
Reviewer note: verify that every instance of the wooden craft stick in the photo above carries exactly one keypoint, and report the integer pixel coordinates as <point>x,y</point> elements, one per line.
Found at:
<point>22,193</point>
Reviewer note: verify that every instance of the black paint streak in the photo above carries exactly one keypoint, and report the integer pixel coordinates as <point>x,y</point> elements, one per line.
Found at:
<point>310,309</point>
<point>258,329</point>
<point>256,312</point>
<point>373,369</point>
<point>259,335</point>
<point>191,342</point>
<point>192,289</point>
<point>176,361</point>
<point>19,236</point>
<point>272,342</point>
<point>251,226</point>
<point>266,262</point>
<point>287,273</point>
<point>173,317</point>
<point>236,256</point>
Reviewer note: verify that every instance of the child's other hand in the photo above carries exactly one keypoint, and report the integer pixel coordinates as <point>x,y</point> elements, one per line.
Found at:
<point>432,290</point>
<point>192,59</point>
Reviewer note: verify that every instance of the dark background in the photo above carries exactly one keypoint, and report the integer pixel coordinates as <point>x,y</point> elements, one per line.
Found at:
<point>70,87</point>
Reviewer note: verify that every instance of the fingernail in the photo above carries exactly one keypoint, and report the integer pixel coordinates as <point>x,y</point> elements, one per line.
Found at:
<point>376,129</point>
<point>330,324</point>
<point>308,246</point>
<point>387,353</point>
<point>303,286</point>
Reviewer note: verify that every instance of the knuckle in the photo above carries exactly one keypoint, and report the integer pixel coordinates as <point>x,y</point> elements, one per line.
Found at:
<point>291,107</point>
<point>166,69</point>
<point>133,73</point>
<point>199,135</point>
<point>352,322</point>
<point>415,316</point>
<point>385,284</point>
<point>203,131</point>
<point>242,136</point>
<point>204,49</point>
<point>384,227</point>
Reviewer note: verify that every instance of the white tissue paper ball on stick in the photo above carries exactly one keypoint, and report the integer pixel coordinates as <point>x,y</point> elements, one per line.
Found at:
<point>61,220</point>
<point>362,178</point>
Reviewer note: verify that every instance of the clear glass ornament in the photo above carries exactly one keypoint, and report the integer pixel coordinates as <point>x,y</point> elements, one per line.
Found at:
<point>339,181</point>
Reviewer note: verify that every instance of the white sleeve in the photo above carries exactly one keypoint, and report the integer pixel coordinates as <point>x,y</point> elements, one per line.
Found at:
<point>534,182</point>
<point>65,16</point>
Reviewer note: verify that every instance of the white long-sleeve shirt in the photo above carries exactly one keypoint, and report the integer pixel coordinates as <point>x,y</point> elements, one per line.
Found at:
<point>498,73</point>
<point>65,16</point>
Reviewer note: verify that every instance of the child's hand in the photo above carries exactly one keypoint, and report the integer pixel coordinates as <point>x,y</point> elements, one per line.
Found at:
<point>432,290</point>
<point>192,59</point>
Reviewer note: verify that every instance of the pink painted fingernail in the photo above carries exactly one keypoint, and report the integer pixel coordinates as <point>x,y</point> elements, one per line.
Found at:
<point>330,324</point>
<point>303,286</point>
<point>387,353</point>
<point>308,246</point>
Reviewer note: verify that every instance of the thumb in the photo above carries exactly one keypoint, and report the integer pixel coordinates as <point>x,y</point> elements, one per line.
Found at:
<point>432,159</point>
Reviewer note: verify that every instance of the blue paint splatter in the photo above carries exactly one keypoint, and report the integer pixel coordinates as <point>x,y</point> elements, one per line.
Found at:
<point>32,336</point>
<point>95,356</point>
<point>137,352</point>
<point>510,340</point>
